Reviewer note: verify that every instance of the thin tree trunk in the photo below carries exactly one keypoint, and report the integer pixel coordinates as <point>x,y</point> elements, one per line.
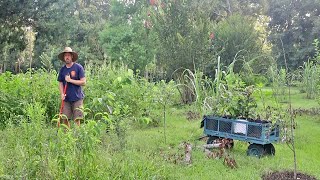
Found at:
<point>164,123</point>
<point>291,117</point>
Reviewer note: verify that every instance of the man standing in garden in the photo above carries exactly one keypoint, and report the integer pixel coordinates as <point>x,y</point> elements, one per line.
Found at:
<point>71,77</point>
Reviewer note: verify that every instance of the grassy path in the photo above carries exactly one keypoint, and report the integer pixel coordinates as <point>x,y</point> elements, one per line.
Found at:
<point>151,141</point>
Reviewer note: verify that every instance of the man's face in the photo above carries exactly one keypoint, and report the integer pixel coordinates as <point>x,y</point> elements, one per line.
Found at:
<point>67,58</point>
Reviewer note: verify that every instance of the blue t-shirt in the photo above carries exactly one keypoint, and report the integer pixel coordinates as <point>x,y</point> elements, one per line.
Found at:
<point>74,92</point>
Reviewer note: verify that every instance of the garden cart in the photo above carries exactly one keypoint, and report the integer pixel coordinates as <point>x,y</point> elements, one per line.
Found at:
<point>259,134</point>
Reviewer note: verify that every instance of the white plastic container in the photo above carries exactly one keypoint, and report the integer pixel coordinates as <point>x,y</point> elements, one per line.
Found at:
<point>239,127</point>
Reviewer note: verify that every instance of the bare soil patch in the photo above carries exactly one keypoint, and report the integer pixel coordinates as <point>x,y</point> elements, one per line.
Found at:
<point>287,175</point>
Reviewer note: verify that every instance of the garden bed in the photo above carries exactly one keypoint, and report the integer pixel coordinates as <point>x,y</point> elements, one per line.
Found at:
<point>287,175</point>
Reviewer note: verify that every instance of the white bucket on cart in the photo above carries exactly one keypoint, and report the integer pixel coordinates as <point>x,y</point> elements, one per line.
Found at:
<point>239,127</point>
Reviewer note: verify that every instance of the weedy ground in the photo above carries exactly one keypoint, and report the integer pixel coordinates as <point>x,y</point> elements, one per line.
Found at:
<point>180,130</point>
<point>38,151</point>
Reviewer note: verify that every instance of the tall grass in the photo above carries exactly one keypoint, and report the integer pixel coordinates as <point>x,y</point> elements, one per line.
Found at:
<point>41,152</point>
<point>310,79</point>
<point>278,78</point>
<point>17,91</point>
<point>89,153</point>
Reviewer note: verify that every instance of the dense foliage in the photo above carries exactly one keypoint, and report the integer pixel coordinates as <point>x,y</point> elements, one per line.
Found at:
<point>164,35</point>
<point>293,27</point>
<point>111,89</point>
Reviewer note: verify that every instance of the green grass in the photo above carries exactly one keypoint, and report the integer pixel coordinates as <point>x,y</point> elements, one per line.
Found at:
<point>298,100</point>
<point>180,130</point>
<point>147,156</point>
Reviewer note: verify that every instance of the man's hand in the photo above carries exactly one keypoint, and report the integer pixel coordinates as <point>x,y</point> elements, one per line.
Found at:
<point>80,82</point>
<point>63,96</point>
<point>67,78</point>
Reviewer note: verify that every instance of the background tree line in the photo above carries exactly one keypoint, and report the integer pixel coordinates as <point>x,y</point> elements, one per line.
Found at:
<point>159,37</point>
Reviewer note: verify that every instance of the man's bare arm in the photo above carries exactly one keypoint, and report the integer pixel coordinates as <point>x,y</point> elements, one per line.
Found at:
<point>80,82</point>
<point>61,90</point>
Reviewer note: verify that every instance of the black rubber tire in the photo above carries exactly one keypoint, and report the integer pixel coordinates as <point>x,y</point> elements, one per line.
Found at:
<point>211,139</point>
<point>256,150</point>
<point>269,149</point>
<point>232,144</point>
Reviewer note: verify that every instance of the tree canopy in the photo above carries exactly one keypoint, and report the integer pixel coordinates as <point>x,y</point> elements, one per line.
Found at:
<point>294,25</point>
<point>166,34</point>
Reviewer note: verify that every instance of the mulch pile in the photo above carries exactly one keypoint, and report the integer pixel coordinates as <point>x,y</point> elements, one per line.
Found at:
<point>287,175</point>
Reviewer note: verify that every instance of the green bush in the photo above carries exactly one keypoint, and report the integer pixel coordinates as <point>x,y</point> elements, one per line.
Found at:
<point>21,89</point>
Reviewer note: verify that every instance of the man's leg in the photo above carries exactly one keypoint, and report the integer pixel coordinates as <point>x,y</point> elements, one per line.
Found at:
<point>77,111</point>
<point>67,113</point>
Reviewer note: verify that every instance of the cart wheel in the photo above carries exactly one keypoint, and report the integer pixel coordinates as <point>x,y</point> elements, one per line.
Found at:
<point>255,150</point>
<point>269,149</point>
<point>211,139</point>
<point>232,144</point>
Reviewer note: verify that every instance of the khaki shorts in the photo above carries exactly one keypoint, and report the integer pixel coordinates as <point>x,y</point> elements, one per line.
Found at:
<point>73,110</point>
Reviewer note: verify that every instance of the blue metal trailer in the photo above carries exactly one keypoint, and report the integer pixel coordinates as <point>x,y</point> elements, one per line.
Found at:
<point>259,134</point>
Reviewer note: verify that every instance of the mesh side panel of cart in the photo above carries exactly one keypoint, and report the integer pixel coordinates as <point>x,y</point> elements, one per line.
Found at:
<point>225,126</point>
<point>254,131</point>
<point>212,124</point>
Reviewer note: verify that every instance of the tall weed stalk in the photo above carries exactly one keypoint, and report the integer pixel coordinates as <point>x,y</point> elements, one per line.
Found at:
<point>278,81</point>
<point>310,79</point>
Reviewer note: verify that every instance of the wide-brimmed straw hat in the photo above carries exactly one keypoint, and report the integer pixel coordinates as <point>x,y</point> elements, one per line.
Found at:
<point>68,50</point>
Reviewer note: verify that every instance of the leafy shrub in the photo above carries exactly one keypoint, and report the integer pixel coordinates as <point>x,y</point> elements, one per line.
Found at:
<point>19,90</point>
